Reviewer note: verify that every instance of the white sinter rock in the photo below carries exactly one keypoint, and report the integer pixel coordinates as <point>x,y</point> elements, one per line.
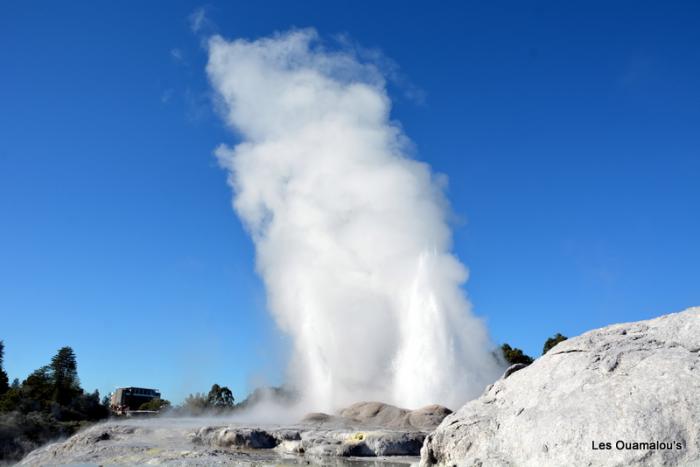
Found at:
<point>374,430</point>
<point>585,399</point>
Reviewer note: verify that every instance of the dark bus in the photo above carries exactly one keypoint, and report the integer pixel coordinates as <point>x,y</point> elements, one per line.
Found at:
<point>130,399</point>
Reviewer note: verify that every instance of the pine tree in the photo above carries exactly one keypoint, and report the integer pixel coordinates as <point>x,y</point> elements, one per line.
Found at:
<point>64,374</point>
<point>4,380</point>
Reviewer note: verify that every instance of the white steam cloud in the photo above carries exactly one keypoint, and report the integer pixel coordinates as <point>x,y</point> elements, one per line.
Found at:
<point>351,234</point>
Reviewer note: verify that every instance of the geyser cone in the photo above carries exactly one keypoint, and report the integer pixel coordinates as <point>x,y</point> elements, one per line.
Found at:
<point>351,234</point>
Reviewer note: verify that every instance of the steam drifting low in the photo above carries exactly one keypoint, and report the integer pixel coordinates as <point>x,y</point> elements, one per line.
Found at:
<point>351,234</point>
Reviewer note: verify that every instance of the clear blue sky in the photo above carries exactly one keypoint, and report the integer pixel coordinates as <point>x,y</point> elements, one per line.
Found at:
<point>570,132</point>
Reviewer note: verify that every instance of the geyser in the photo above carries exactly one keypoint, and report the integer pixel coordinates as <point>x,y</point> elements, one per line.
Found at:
<point>351,236</point>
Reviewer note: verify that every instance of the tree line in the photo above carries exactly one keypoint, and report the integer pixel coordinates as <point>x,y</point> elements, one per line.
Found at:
<point>47,405</point>
<point>50,404</point>
<point>218,400</point>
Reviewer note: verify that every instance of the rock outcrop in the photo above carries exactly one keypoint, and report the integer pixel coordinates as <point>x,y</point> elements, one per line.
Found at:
<point>388,416</point>
<point>627,394</point>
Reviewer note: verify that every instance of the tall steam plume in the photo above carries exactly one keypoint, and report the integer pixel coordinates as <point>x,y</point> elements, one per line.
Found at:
<point>351,234</point>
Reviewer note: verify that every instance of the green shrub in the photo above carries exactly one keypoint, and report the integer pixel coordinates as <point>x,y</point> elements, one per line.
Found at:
<point>552,341</point>
<point>155,404</point>
<point>515,355</point>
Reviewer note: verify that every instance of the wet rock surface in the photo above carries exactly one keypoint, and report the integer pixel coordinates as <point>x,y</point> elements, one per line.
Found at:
<point>619,385</point>
<point>367,432</point>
